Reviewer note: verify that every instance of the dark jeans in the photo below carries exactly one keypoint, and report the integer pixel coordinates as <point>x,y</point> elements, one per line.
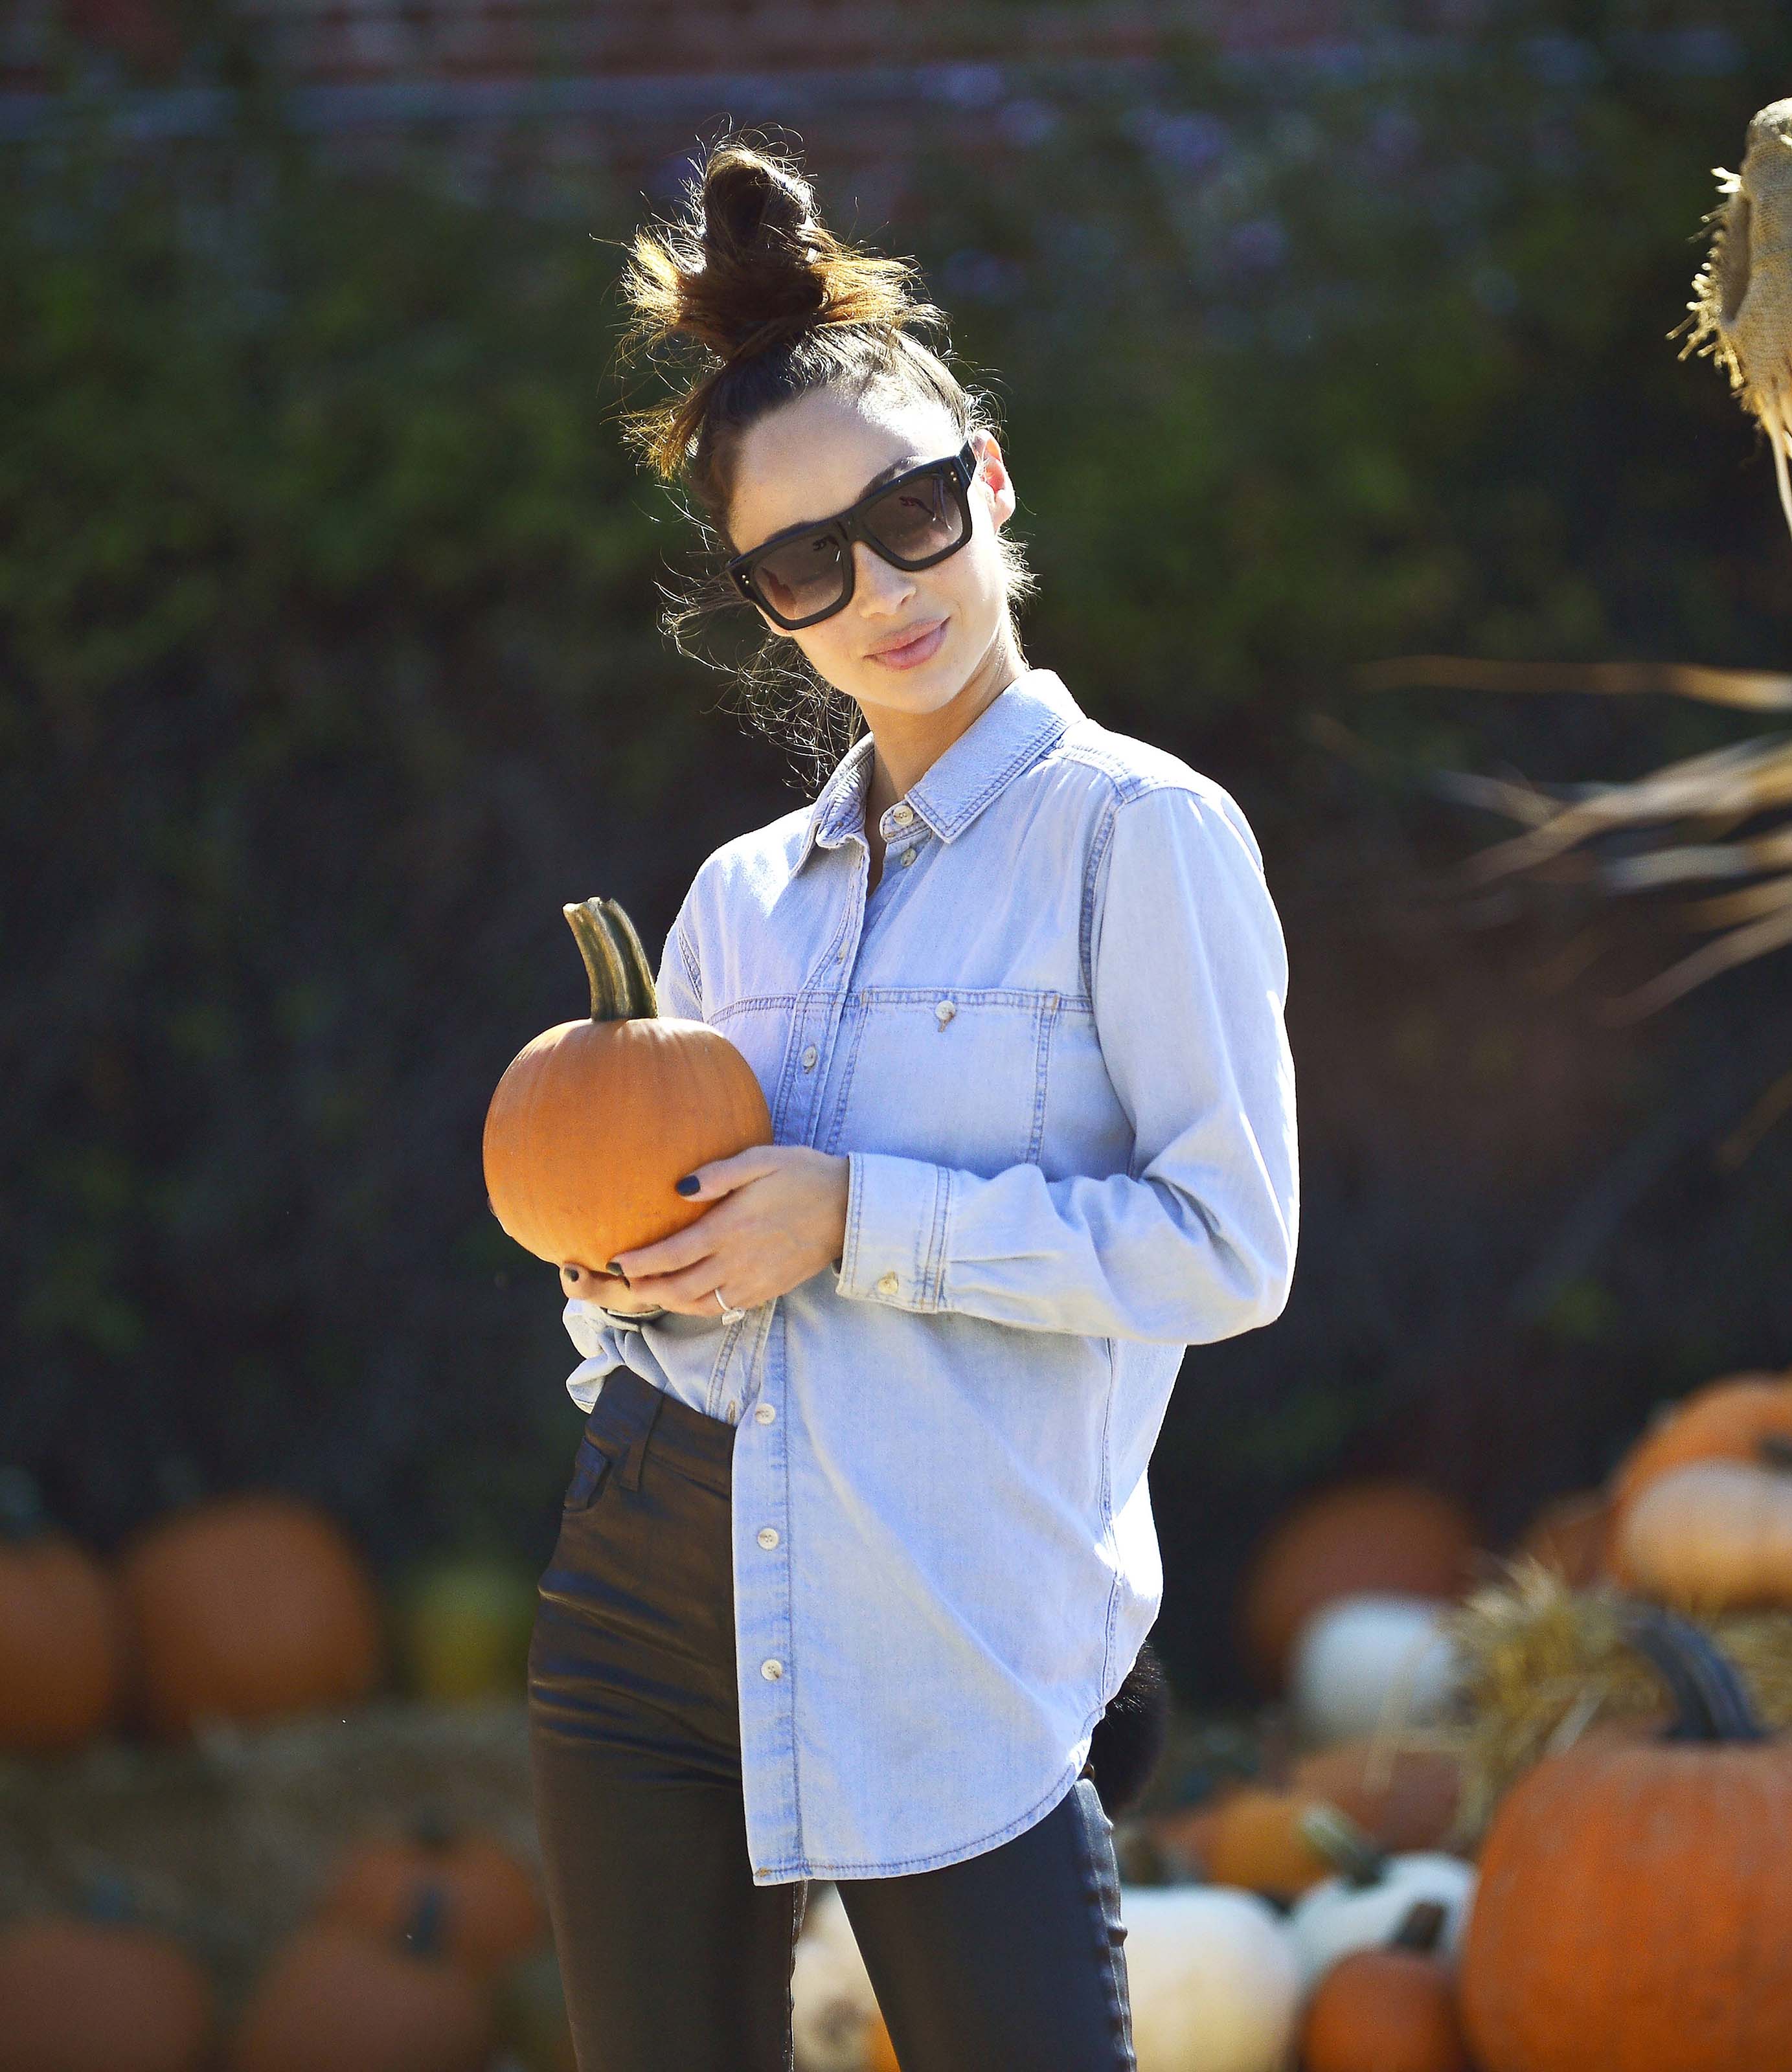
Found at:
<point>673,1960</point>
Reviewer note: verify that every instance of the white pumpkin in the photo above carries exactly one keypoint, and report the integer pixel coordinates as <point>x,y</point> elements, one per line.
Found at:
<point>831,1994</point>
<point>1361,1906</point>
<point>1374,1652</point>
<point>1212,1979</point>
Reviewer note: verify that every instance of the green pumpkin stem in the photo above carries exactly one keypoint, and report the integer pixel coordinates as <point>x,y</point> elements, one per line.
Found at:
<point>1422,1926</point>
<point>425,1932</point>
<point>615,962</point>
<point>640,972</point>
<point>1711,1700</point>
<point>1359,1857</point>
<point>22,1515</point>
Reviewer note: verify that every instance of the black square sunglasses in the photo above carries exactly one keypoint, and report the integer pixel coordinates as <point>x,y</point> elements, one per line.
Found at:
<point>805,575</point>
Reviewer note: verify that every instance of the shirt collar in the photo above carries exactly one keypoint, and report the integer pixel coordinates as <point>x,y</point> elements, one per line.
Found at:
<point>1006,737</point>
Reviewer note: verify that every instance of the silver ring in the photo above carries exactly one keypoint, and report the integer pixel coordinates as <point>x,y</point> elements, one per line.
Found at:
<point>729,1316</point>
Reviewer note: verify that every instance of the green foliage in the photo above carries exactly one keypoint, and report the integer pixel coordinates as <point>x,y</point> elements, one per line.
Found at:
<point>328,666</point>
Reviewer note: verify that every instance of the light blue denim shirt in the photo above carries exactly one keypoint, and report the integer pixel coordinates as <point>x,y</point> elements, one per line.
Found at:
<point>1051,1045</point>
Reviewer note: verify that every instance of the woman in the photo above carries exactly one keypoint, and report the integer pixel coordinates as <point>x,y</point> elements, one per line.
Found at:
<point>858,1546</point>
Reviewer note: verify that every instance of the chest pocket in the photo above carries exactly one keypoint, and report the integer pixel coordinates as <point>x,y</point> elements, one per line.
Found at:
<point>953,1075</point>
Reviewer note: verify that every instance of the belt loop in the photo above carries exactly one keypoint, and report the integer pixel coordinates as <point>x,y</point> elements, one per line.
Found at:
<point>628,1468</point>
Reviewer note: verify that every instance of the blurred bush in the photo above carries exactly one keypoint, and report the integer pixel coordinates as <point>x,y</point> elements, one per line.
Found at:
<point>328,666</point>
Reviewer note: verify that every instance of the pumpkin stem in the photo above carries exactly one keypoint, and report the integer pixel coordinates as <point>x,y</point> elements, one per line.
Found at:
<point>423,1934</point>
<point>641,972</point>
<point>106,1896</point>
<point>1359,1857</point>
<point>1711,1699</point>
<point>611,1000</point>
<point>22,1513</point>
<point>432,1826</point>
<point>1422,1926</point>
<point>1775,1449</point>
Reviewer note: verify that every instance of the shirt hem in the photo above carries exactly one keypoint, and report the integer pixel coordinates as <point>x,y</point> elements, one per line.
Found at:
<point>938,1859</point>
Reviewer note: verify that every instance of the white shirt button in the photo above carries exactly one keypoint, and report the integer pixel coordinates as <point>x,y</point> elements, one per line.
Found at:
<point>810,1056</point>
<point>840,956</point>
<point>765,1413</point>
<point>768,1535</point>
<point>889,1285</point>
<point>771,1671</point>
<point>733,1409</point>
<point>902,814</point>
<point>943,1012</point>
<point>908,858</point>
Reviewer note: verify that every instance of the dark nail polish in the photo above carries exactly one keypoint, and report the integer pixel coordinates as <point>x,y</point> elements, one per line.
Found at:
<point>689,1184</point>
<point>612,1268</point>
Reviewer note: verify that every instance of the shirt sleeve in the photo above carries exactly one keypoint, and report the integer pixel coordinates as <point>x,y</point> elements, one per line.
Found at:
<point>596,1332</point>
<point>1188,978</point>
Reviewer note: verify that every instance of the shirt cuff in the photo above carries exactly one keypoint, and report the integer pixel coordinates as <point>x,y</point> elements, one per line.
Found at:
<point>896,1213</point>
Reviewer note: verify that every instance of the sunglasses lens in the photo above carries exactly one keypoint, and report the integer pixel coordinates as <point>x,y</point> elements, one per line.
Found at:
<point>917,521</point>
<point>921,518</point>
<point>800,577</point>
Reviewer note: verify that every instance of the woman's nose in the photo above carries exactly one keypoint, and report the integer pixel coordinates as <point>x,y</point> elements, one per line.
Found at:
<point>875,577</point>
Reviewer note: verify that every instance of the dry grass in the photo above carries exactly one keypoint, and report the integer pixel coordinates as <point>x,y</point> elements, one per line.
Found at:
<point>226,1843</point>
<point>1540,1663</point>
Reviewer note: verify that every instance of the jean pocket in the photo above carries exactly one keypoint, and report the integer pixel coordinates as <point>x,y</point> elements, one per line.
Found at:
<point>591,1472</point>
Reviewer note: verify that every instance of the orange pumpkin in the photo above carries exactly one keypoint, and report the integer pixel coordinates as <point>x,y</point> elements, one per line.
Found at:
<point>1714,1536</point>
<point>96,1996</point>
<point>1385,1533</point>
<point>494,1913</point>
<point>1726,1420</point>
<point>1405,1797</point>
<point>1634,1905</point>
<point>594,1120</point>
<point>1390,2009</point>
<point>247,1606</point>
<point>1568,1534</point>
<point>62,1630</point>
<point>1254,1840</point>
<point>332,1996</point>
<point>879,2052</point>
<point>1182,1835</point>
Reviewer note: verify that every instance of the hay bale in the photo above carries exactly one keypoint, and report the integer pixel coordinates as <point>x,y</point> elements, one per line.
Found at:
<point>1540,1663</point>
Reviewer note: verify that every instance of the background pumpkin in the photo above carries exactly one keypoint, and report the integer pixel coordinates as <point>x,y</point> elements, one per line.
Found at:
<point>334,1996</point>
<point>593,1121</point>
<point>1726,1420</point>
<point>1714,1536</point>
<point>1635,1901</point>
<point>100,1992</point>
<point>1379,1533</point>
<point>248,1607</point>
<point>1406,1799</point>
<point>1387,2009</point>
<point>1370,1894</point>
<point>62,1630</point>
<point>1253,1840</point>
<point>493,1912</point>
<point>1375,1656</point>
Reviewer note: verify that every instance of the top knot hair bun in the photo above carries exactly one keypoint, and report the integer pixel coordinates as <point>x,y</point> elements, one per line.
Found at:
<point>749,268</point>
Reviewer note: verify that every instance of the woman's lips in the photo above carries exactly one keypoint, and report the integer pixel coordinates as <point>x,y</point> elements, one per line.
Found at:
<point>916,652</point>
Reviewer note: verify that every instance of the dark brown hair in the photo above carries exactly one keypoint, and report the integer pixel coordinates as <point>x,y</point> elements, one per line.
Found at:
<point>755,301</point>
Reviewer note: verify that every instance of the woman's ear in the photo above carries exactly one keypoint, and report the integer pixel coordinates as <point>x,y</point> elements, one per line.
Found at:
<point>992,476</point>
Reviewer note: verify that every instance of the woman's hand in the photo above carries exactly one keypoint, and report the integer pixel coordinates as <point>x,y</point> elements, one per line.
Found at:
<point>780,1217</point>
